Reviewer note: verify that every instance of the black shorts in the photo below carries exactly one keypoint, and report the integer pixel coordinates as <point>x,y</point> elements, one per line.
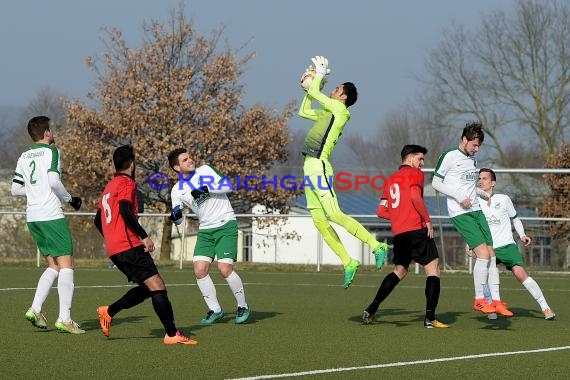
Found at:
<point>136,264</point>
<point>414,245</point>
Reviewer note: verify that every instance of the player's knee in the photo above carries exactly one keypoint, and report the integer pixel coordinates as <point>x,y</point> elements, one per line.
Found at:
<point>322,225</point>
<point>154,283</point>
<point>159,296</point>
<point>340,218</point>
<point>400,271</point>
<point>201,268</point>
<point>225,269</point>
<point>519,273</point>
<point>432,268</point>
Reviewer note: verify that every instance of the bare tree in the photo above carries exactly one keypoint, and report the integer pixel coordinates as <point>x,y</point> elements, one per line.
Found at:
<point>512,73</point>
<point>408,125</point>
<point>13,130</point>
<point>48,102</point>
<point>557,204</point>
<point>13,138</point>
<point>293,165</point>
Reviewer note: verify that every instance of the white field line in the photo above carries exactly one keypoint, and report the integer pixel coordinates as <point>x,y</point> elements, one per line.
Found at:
<point>282,284</point>
<point>403,364</point>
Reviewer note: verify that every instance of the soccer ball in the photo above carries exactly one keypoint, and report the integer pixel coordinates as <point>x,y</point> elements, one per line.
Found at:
<point>307,79</point>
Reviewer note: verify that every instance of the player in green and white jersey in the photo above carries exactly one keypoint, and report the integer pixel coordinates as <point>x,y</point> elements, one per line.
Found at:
<point>329,122</point>
<point>456,177</point>
<point>200,189</point>
<point>37,177</point>
<point>500,213</point>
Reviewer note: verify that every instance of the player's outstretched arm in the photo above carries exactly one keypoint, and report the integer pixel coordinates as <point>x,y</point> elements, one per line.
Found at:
<point>314,91</point>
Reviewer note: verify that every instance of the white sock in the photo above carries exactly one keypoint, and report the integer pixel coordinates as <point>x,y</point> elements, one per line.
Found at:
<point>234,281</point>
<point>494,280</point>
<point>65,288</point>
<point>44,286</point>
<point>535,291</point>
<point>208,291</point>
<point>480,276</point>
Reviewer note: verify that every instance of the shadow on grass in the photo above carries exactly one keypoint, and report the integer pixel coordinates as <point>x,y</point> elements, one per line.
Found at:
<point>527,313</point>
<point>93,324</point>
<point>449,317</point>
<point>381,313</point>
<point>504,323</point>
<point>254,317</point>
<point>409,317</point>
<point>501,323</point>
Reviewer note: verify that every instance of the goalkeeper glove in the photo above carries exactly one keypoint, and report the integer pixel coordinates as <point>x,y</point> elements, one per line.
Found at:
<point>197,193</point>
<point>75,202</point>
<point>176,215</point>
<point>321,65</point>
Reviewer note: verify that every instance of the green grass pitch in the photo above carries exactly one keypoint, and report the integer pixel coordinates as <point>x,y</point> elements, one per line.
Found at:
<point>303,325</point>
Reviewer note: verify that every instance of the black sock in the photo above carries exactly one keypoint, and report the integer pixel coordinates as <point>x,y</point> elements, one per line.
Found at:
<point>131,298</point>
<point>432,296</point>
<point>163,308</point>
<point>386,287</point>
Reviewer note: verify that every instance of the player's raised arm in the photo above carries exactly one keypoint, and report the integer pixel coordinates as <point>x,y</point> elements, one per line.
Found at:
<point>306,110</point>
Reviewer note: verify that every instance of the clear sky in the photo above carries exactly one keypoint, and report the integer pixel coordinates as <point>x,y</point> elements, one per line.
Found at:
<point>380,45</point>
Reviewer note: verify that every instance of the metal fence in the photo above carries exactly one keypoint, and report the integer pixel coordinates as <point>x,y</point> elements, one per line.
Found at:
<point>544,253</point>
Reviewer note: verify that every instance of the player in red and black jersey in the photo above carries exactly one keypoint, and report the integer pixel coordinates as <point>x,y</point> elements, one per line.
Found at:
<point>129,246</point>
<point>403,204</point>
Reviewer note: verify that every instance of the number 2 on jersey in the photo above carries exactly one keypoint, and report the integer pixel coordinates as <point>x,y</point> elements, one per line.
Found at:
<point>394,195</point>
<point>33,167</point>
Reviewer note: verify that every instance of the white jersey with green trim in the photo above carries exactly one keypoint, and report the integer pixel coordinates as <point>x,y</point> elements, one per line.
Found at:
<point>212,209</point>
<point>499,215</point>
<point>32,168</point>
<point>458,170</point>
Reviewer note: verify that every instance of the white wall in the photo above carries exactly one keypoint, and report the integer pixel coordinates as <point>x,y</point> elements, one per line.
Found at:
<point>269,247</point>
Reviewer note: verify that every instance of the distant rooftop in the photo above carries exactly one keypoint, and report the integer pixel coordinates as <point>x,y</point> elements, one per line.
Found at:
<point>363,204</point>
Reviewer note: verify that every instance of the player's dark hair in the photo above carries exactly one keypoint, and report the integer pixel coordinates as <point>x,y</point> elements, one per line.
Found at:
<point>173,157</point>
<point>123,157</point>
<point>490,171</point>
<point>473,130</point>
<point>349,89</point>
<point>37,126</point>
<point>412,149</point>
